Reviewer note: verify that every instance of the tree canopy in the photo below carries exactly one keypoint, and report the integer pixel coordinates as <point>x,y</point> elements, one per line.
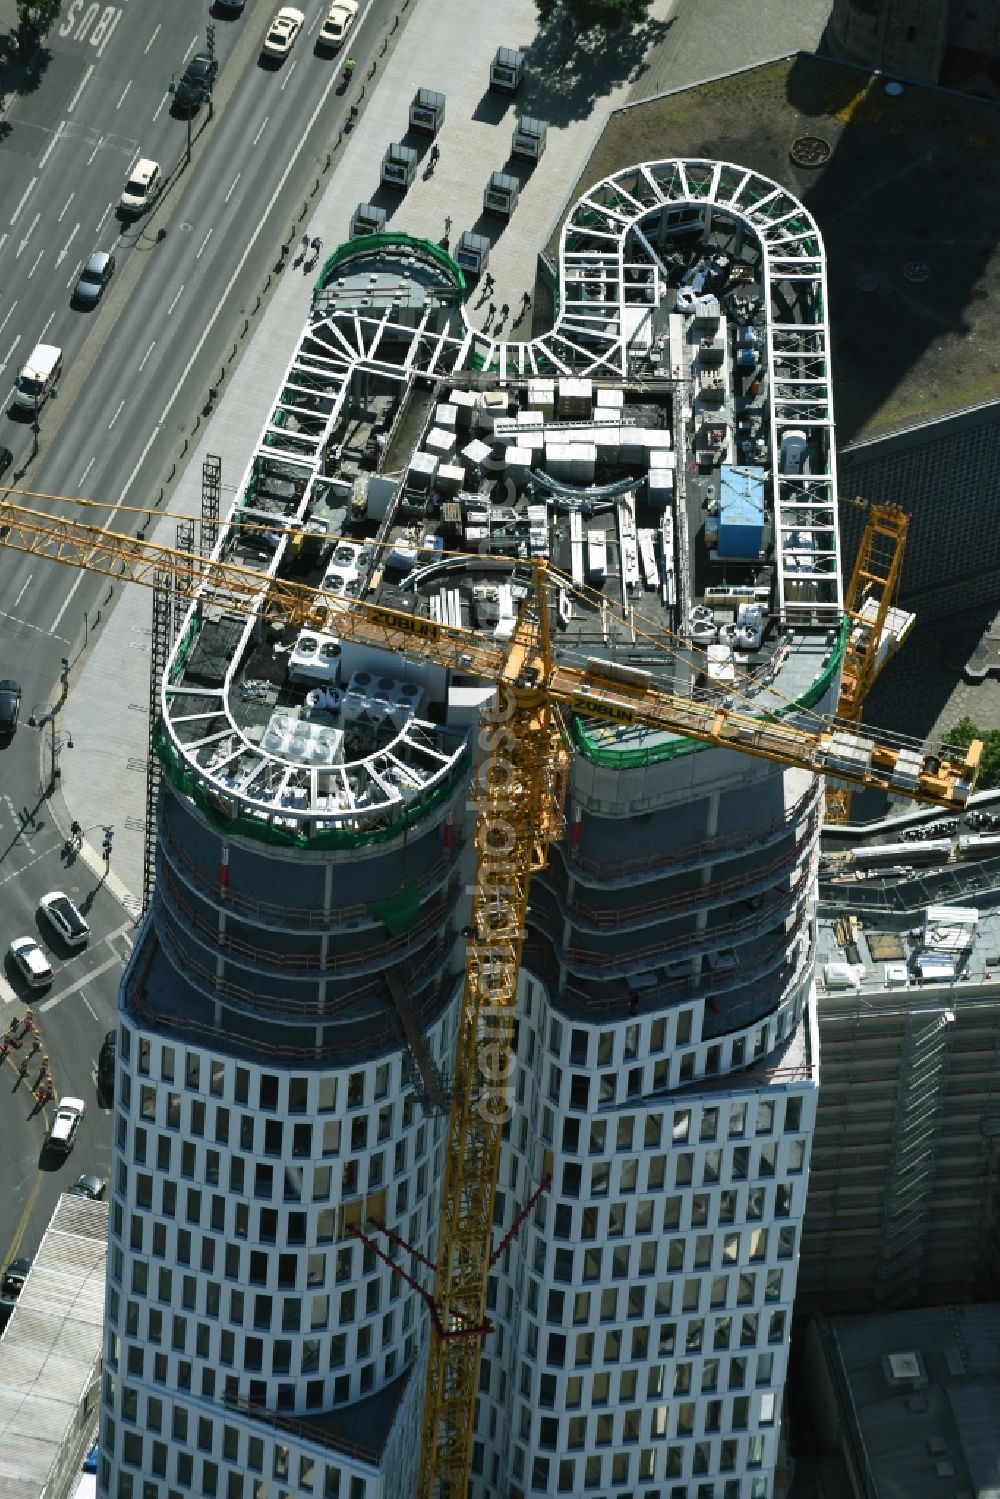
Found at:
<point>34,15</point>
<point>587,15</point>
<point>962,735</point>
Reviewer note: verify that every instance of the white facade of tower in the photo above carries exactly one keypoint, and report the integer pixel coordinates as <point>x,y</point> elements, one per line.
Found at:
<point>314,863</point>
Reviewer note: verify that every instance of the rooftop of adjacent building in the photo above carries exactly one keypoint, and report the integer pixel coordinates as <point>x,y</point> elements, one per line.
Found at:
<point>919,1390</point>
<point>902,183</point>
<point>910,909</point>
<point>50,1351</point>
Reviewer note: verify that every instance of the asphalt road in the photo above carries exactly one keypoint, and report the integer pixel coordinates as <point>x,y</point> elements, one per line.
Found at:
<point>136,372</point>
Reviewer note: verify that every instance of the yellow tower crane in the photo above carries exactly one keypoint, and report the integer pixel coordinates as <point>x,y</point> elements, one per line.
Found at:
<point>878,626</point>
<point>520,788</point>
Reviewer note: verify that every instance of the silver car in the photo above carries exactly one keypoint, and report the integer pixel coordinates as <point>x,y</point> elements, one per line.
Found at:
<point>94,278</point>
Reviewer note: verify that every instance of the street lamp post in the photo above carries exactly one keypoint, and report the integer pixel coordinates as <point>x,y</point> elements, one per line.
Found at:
<point>46,714</point>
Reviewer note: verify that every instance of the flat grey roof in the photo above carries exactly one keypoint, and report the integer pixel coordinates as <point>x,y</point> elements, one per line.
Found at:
<point>930,1427</point>
<point>51,1348</point>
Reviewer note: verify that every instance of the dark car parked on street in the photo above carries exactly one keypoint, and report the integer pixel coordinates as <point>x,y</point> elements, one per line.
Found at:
<point>93,279</point>
<point>196,85</point>
<point>106,1062</point>
<point>10,707</point>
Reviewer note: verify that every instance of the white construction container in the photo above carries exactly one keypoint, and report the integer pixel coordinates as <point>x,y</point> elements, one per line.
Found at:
<point>517,465</point>
<point>423,470</point>
<point>575,399</point>
<point>597,556</point>
<point>440,442</point>
<point>610,400</point>
<point>465,403</point>
<point>446,415</point>
<point>450,478</point>
<point>493,404</point>
<point>475,455</point>
<point>542,397</point>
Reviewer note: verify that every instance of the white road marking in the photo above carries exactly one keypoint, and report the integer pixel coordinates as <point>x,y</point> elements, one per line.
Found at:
<point>152,38</point>
<point>204,242</point>
<point>90,1007</point>
<point>75,276</point>
<point>24,199</point>
<point>83,84</point>
<point>65,249</point>
<point>65,206</point>
<point>261,220</point>
<point>23,590</point>
<point>191,46</point>
<point>116,416</point>
<point>163,101</point>
<point>80,483</point>
<point>8,317</point>
<point>51,145</point>
<point>7,993</point>
<point>288,75</point>
<point>47,326</point>
<point>45,853</point>
<point>3,240</point>
<point>93,155</point>
<point>146,355</point>
<point>232,188</point>
<point>75,988</point>
<point>116,17</point>
<point>5,362</point>
<point>125,90</point>
<point>21,246</point>
<point>175,301</point>
<point>27,625</point>
<point>110,209</point>
<point>34,268</point>
<point>256,138</point>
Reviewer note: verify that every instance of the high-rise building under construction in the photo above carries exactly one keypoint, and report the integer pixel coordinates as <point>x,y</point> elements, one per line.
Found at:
<point>289,1013</point>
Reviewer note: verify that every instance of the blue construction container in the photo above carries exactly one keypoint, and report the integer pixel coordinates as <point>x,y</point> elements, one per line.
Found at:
<point>741,513</point>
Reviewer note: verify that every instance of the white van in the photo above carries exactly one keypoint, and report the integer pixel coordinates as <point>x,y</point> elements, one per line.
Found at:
<point>34,384</point>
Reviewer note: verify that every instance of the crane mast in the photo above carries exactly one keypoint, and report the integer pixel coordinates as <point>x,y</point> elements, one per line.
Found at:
<point>519,791</point>
<point>878,627</point>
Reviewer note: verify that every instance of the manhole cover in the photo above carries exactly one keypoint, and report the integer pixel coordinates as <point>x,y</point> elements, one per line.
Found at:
<point>866,282</point>
<point>810,151</point>
<point>916,270</point>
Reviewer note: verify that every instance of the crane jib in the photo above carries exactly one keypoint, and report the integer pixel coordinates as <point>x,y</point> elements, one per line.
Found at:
<point>595,707</point>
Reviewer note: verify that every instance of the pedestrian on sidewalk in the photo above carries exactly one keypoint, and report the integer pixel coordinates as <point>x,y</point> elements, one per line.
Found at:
<point>488,281</point>
<point>491,312</point>
<point>29,1022</point>
<point>76,834</point>
<point>447,223</point>
<point>525,301</point>
<point>505,309</point>
<point>36,1046</point>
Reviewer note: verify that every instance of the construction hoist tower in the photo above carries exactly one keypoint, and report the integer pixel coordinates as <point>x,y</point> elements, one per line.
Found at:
<point>878,626</point>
